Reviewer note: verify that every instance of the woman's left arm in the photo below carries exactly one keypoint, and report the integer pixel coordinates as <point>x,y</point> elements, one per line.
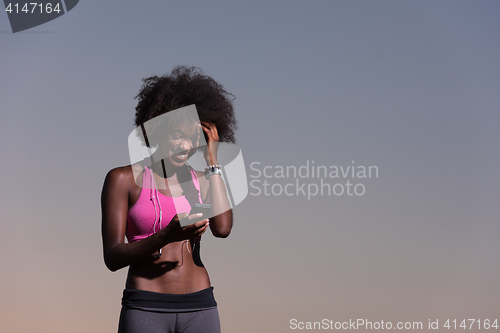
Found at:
<point>222,221</point>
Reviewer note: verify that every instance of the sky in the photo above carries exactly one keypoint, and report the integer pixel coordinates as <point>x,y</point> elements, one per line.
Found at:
<point>410,88</point>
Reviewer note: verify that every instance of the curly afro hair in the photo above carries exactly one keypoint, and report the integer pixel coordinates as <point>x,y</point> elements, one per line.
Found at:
<point>183,87</point>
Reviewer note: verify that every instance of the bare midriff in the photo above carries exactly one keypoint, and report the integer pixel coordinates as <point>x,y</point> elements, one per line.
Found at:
<point>175,272</point>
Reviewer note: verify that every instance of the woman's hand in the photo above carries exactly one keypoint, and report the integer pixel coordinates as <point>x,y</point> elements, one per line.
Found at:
<point>212,144</point>
<point>173,232</point>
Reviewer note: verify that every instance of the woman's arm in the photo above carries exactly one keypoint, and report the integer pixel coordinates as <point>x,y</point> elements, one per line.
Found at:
<point>222,222</point>
<point>114,204</point>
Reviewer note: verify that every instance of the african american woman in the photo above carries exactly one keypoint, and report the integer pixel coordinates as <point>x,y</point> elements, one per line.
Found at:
<point>151,204</point>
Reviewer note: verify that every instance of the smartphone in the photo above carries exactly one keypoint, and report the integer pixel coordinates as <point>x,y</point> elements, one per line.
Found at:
<point>199,208</point>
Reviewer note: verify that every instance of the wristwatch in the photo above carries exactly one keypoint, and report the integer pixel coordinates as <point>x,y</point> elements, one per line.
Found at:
<point>213,170</point>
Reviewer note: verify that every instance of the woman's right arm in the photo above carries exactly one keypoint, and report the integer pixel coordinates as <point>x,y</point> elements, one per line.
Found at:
<point>114,205</point>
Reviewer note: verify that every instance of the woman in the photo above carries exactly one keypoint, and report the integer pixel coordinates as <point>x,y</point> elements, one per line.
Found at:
<point>168,288</point>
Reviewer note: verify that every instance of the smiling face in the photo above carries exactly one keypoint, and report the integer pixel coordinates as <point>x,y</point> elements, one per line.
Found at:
<point>180,143</point>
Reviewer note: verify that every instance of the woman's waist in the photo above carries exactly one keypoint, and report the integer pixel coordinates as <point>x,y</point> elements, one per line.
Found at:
<point>164,302</point>
<point>168,277</point>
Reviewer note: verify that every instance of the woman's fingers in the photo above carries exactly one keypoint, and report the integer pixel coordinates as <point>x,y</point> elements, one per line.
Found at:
<point>193,217</point>
<point>193,229</point>
<point>211,131</point>
<point>196,225</point>
<point>203,229</point>
<point>213,138</point>
<point>197,228</point>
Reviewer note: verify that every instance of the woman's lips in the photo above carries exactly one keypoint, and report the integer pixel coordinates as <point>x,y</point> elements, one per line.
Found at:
<point>181,157</point>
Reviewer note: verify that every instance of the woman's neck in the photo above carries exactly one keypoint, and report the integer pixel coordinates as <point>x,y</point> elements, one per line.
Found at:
<point>165,170</point>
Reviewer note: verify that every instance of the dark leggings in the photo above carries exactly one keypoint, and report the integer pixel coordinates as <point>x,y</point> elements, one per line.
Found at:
<point>140,321</point>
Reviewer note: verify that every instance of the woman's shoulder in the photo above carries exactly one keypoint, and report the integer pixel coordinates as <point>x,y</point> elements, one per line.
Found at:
<point>121,176</point>
<point>199,174</point>
<point>120,172</point>
<point>203,183</point>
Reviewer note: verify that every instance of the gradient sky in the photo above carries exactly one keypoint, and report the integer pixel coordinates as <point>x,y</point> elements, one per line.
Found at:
<point>412,87</point>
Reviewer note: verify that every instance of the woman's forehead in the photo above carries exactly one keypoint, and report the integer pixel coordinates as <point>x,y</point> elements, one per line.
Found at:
<point>185,127</point>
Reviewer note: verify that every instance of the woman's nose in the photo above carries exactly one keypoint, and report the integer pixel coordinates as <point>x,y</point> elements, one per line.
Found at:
<point>185,145</point>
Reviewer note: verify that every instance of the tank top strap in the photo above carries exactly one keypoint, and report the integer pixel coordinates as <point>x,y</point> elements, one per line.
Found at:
<point>196,182</point>
<point>146,178</point>
<point>147,182</point>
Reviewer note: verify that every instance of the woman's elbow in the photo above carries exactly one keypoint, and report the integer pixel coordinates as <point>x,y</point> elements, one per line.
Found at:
<point>222,224</point>
<point>221,232</point>
<point>111,263</point>
<point>112,268</point>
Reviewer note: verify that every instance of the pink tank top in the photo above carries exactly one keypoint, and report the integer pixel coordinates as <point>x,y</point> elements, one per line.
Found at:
<point>143,217</point>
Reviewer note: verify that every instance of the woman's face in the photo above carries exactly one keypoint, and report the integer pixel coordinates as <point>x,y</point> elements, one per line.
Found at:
<point>180,143</point>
